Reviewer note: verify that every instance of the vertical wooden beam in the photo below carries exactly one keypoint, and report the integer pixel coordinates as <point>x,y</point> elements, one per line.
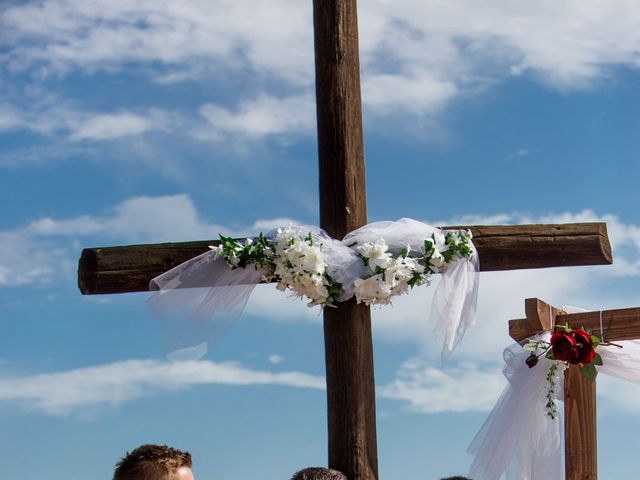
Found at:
<point>347,329</point>
<point>581,454</point>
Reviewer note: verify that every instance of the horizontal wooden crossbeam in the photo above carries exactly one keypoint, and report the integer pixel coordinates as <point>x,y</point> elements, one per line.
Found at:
<point>620,324</point>
<point>130,268</point>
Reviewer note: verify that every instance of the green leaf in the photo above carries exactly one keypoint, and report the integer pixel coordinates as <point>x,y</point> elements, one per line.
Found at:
<point>597,360</point>
<point>595,341</point>
<point>589,371</point>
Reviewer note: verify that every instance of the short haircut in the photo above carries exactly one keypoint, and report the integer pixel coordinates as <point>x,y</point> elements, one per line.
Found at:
<point>151,462</point>
<point>319,473</point>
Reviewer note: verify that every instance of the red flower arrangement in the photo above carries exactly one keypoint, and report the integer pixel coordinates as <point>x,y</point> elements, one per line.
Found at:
<point>575,347</point>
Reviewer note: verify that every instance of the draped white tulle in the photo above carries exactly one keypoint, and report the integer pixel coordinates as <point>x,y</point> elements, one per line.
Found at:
<point>519,439</point>
<point>213,294</point>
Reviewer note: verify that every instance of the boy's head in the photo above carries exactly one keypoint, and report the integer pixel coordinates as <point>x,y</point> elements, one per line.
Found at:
<point>154,462</point>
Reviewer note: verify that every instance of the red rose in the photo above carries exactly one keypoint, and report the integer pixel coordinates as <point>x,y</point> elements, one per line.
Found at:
<point>584,346</point>
<point>563,346</point>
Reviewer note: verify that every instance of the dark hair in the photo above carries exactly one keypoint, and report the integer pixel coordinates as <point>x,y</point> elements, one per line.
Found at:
<point>151,462</point>
<point>318,473</point>
<point>457,477</point>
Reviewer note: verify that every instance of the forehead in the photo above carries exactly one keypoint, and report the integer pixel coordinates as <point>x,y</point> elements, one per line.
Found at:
<point>183,473</point>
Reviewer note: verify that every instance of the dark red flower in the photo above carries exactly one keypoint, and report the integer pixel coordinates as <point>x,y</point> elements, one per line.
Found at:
<point>563,346</point>
<point>584,346</point>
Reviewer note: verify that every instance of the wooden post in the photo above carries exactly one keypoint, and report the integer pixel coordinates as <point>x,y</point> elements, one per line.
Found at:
<point>347,329</point>
<point>581,458</point>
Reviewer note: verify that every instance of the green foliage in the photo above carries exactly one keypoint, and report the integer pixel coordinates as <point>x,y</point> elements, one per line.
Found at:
<point>589,371</point>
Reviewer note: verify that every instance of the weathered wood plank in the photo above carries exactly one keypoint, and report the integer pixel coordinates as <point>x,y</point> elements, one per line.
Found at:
<point>619,324</point>
<point>352,444</point>
<point>130,268</point>
<point>580,426</point>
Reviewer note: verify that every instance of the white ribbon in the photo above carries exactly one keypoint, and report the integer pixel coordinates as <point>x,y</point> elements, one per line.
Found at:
<point>518,438</point>
<point>214,295</point>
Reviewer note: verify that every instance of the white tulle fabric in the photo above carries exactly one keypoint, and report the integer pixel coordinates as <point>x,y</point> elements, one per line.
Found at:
<point>453,308</point>
<point>213,295</point>
<point>518,439</point>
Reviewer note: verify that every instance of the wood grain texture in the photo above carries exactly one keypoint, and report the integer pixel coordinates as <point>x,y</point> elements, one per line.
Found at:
<point>580,429</point>
<point>130,268</point>
<point>540,315</point>
<point>351,404</point>
<point>343,199</point>
<point>347,328</point>
<point>619,324</point>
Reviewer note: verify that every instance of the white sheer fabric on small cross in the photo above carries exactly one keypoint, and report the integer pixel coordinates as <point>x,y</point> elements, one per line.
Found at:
<point>211,294</point>
<point>519,439</point>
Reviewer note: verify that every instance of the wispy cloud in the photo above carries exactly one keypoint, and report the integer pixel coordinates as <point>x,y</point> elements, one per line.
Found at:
<point>62,393</point>
<point>426,53</point>
<point>62,35</point>
<point>522,152</point>
<point>276,359</point>
<point>47,249</point>
<point>261,117</point>
<point>78,126</point>
<point>430,389</point>
<point>418,385</point>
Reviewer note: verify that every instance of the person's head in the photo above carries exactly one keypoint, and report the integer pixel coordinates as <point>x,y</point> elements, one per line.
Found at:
<point>457,477</point>
<point>154,462</point>
<point>318,473</point>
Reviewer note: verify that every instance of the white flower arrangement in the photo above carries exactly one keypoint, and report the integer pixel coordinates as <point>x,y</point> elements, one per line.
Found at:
<point>298,262</point>
<point>394,275</point>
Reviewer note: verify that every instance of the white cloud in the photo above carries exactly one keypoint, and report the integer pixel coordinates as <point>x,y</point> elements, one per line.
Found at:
<point>84,126</point>
<point>63,34</point>
<point>9,118</point>
<point>428,389</point>
<point>616,396</point>
<point>276,359</point>
<point>24,260</point>
<point>522,152</point>
<point>62,393</point>
<point>264,116</point>
<point>137,219</point>
<point>47,250</point>
<point>415,92</point>
<point>115,125</point>
<point>425,53</point>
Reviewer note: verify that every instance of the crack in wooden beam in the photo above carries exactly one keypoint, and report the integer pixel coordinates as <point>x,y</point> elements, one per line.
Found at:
<point>130,268</point>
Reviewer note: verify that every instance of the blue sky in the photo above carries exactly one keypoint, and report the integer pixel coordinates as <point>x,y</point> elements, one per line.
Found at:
<point>126,122</point>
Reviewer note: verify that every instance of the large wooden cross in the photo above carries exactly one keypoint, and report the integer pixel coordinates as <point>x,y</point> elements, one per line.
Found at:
<point>581,454</point>
<point>347,329</point>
